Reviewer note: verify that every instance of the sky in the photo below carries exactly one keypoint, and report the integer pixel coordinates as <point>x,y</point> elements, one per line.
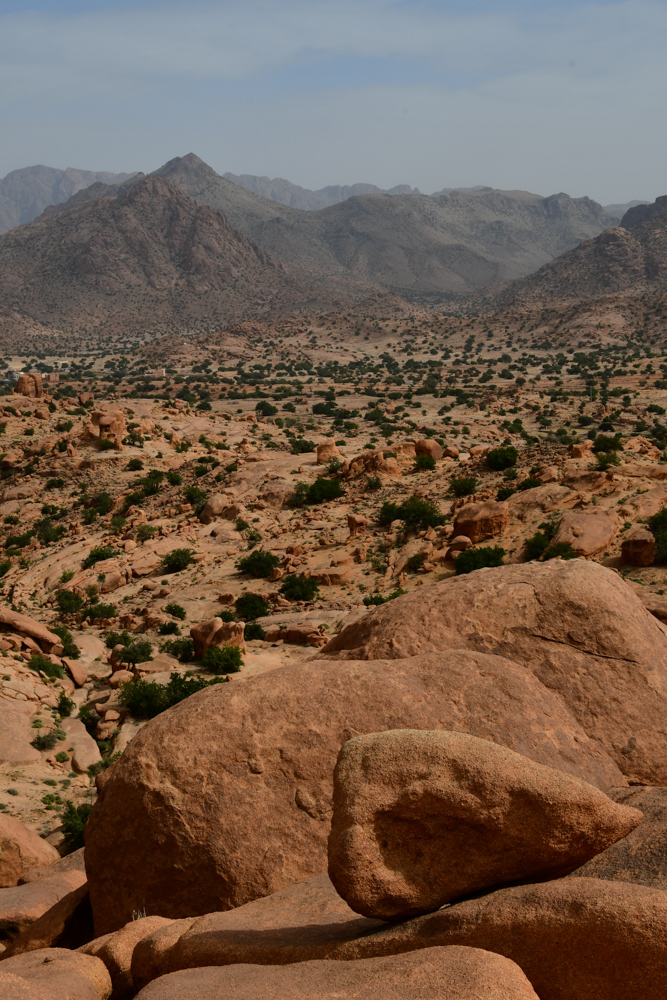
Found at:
<point>515,94</point>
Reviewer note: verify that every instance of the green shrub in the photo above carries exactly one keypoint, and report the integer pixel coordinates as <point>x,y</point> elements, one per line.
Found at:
<point>97,554</point>
<point>68,602</point>
<point>112,639</point>
<point>54,484</point>
<point>195,496</point>
<point>324,489</point>
<point>300,446</point>
<point>529,484</point>
<point>104,764</point>
<point>658,526</point>
<point>97,612</point>
<point>227,616</point>
<point>145,532</point>
<point>48,532</point>
<point>44,741</point>
<point>65,706</point>
<point>300,496</point>
<point>5,566</point>
<point>373,483</point>
<point>536,545</point>
<point>505,492</point>
<point>176,611</point>
<point>254,630</point>
<point>146,699</point>
<point>473,559</point>
<point>463,487</point>
<point>258,564</point>
<point>134,465</point>
<point>225,660</point>
<point>138,651</point>
<point>389,512</point>
<point>73,820</point>
<point>607,443</point>
<point>375,600</point>
<point>265,409</point>
<point>250,606</point>
<point>62,757</point>
<point>169,628</point>
<point>118,522</point>
<point>39,662</point>
<point>415,512</point>
<point>19,541</point>
<point>177,560</point>
<point>414,562</point>
<point>174,478</point>
<point>70,648</point>
<point>182,649</point>
<point>425,462</point>
<point>562,550</point>
<point>502,458</point>
<point>297,587</point>
<point>605,460</point>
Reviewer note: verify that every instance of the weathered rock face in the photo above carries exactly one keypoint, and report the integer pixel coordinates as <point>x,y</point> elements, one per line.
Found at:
<point>482,520</point>
<point>453,973</point>
<point>638,547</point>
<point>29,384</point>
<point>589,532</point>
<point>21,850</point>
<point>227,796</point>
<point>16,734</point>
<point>24,904</point>
<point>213,508</point>
<point>426,446</point>
<point>109,424</point>
<point>581,630</point>
<point>116,951</point>
<point>216,633</point>
<point>54,974</point>
<point>327,450</point>
<point>12,621</point>
<point>66,924</point>
<point>423,818</point>
<point>641,857</point>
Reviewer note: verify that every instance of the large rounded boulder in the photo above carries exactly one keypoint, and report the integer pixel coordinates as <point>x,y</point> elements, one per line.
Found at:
<point>228,796</point>
<point>575,624</point>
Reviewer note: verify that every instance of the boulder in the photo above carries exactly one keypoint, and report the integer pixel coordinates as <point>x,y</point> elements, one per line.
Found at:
<point>22,905</point>
<point>426,446</point>
<point>21,849</point>
<point>327,450</point>
<point>213,508</point>
<point>85,750</point>
<point>356,524</point>
<point>583,449</point>
<point>575,624</point>
<point>544,499</point>
<point>482,520</point>
<point>421,818</point>
<point>66,924</point>
<point>589,532</point>
<point>215,632</point>
<point>638,547</point>
<point>30,384</point>
<point>116,950</point>
<point>580,938</point>
<point>22,491</point>
<point>227,796</point>
<point>16,734</point>
<point>453,973</point>
<point>12,621</point>
<point>641,857</point>
<point>54,974</point>
<point>71,862</point>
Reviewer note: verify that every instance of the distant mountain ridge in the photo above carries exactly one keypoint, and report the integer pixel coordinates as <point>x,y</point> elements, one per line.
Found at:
<point>285,193</point>
<point>25,193</point>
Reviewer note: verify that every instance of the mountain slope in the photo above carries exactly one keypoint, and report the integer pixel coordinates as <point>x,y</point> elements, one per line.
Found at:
<point>24,194</point>
<point>151,258</point>
<point>644,212</point>
<point>618,262</point>
<point>285,193</point>
<point>414,244</point>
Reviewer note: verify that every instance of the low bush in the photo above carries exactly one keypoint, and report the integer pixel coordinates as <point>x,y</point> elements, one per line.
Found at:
<point>254,630</point>
<point>134,465</point>
<point>265,409</point>
<point>146,699</point>
<point>658,527</point>
<point>607,443</point>
<point>415,512</point>
<point>118,522</point>
<point>505,492</point>
<point>44,741</point>
<point>529,484</point>
<point>561,550</point>
<point>323,490</point>
<point>174,478</point>
<point>225,660</point>
<point>54,484</point>
<point>112,639</point>
<point>195,496</point>
<point>463,487</point>
<point>177,560</point>
<point>502,458</point>
<point>39,662</point>
<point>250,606</point>
<point>65,706</point>
<point>5,566</point>
<point>425,462</point>
<point>97,554</point>
<point>300,446</point>
<point>73,820</point>
<point>373,483</point>
<point>169,628</point>
<point>297,587</point>
<point>258,564</point>
<point>176,611</point>
<point>473,559</point>
<point>98,612</point>
<point>70,648</point>
<point>182,649</point>
<point>375,600</point>
<point>145,532</point>
<point>138,651</point>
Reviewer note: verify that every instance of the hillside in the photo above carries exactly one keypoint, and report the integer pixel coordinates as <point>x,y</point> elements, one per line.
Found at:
<point>618,262</point>
<point>151,258</point>
<point>285,193</point>
<point>415,245</point>
<point>24,194</point>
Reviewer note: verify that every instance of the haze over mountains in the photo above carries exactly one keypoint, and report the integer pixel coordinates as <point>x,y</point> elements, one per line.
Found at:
<point>144,254</point>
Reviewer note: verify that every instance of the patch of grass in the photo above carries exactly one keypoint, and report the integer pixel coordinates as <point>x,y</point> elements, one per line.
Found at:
<point>473,559</point>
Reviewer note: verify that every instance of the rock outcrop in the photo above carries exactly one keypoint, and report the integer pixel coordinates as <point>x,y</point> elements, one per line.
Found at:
<point>21,850</point>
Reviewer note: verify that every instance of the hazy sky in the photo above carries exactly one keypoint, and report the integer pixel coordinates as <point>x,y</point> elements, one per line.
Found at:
<point>559,96</point>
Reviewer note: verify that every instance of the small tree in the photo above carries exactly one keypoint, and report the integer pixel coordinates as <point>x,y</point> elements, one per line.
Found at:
<point>297,587</point>
<point>250,606</point>
<point>502,458</point>
<point>258,563</point>
<point>177,560</point>
<point>225,660</point>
